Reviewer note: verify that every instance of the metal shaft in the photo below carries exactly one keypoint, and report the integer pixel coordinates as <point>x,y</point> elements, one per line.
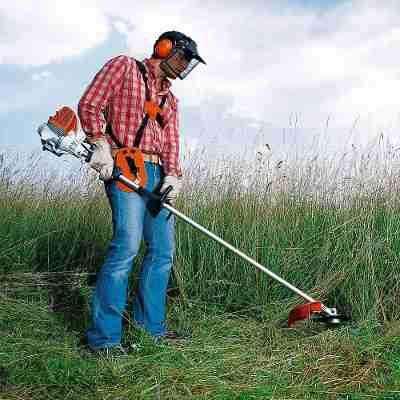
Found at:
<point>51,141</point>
<point>211,235</point>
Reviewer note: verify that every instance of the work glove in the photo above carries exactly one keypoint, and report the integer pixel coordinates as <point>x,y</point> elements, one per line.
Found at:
<point>102,160</point>
<point>176,183</point>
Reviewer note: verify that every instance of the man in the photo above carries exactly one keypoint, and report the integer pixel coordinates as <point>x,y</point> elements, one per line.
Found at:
<point>113,115</point>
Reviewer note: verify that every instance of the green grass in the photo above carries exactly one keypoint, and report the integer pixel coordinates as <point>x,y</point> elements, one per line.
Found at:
<point>346,254</point>
<point>230,356</point>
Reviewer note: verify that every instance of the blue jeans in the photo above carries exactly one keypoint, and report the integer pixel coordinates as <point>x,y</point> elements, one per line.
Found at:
<point>131,222</point>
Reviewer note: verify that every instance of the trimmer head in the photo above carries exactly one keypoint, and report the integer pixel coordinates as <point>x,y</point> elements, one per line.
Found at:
<point>331,320</point>
<point>317,312</point>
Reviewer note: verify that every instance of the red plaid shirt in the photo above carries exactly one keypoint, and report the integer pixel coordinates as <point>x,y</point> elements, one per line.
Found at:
<point>118,89</point>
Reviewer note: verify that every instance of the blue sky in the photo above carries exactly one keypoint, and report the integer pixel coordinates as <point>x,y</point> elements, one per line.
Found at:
<point>275,70</point>
<point>32,97</point>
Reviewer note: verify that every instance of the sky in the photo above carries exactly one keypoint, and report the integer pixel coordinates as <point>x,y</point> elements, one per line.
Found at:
<point>294,73</point>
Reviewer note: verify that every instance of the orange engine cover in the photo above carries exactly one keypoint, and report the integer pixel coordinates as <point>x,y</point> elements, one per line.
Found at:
<point>65,119</point>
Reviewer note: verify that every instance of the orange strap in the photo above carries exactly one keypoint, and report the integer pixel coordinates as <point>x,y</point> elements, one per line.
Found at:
<point>130,162</point>
<point>152,109</point>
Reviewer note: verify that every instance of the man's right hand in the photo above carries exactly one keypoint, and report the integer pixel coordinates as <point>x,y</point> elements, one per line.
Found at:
<point>102,160</point>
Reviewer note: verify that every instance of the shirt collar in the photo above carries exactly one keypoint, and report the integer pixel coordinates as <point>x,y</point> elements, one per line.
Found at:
<point>166,84</point>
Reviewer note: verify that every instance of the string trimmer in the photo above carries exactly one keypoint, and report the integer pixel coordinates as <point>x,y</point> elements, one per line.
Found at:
<point>60,135</point>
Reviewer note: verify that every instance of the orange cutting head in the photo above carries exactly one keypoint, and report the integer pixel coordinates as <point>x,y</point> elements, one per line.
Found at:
<point>65,120</point>
<point>304,311</point>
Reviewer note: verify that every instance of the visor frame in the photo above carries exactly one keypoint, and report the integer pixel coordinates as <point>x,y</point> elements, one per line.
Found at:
<point>180,51</point>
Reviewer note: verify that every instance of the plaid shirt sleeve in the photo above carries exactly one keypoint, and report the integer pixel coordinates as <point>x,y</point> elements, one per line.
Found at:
<point>170,153</point>
<point>92,104</point>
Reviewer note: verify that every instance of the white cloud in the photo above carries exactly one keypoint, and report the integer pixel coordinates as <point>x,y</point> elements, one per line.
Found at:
<point>40,76</point>
<point>121,27</point>
<point>274,59</point>
<point>269,59</point>
<point>40,32</point>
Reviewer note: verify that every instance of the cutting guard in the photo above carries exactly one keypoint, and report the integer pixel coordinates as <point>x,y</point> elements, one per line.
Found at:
<point>303,312</point>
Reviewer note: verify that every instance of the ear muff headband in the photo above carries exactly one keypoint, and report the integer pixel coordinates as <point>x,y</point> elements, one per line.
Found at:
<point>163,48</point>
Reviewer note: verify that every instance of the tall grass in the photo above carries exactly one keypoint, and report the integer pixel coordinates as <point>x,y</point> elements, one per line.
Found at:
<point>328,225</point>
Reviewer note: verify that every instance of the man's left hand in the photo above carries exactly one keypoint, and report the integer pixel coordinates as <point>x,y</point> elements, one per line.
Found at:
<point>176,183</point>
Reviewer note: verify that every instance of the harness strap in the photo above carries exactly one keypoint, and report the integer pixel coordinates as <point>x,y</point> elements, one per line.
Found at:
<point>159,119</point>
<point>140,131</point>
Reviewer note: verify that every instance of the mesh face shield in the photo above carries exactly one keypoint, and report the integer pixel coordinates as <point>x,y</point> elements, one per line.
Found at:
<point>180,63</point>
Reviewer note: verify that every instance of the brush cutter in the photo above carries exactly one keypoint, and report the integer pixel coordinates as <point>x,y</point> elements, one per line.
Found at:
<point>60,136</point>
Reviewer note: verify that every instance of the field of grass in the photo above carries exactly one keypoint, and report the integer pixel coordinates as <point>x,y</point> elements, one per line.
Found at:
<point>333,231</point>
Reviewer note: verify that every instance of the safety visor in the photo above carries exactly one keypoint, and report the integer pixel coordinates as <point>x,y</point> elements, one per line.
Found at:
<point>181,62</point>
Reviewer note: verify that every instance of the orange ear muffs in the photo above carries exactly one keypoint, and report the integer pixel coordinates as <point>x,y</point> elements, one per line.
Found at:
<point>163,48</point>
